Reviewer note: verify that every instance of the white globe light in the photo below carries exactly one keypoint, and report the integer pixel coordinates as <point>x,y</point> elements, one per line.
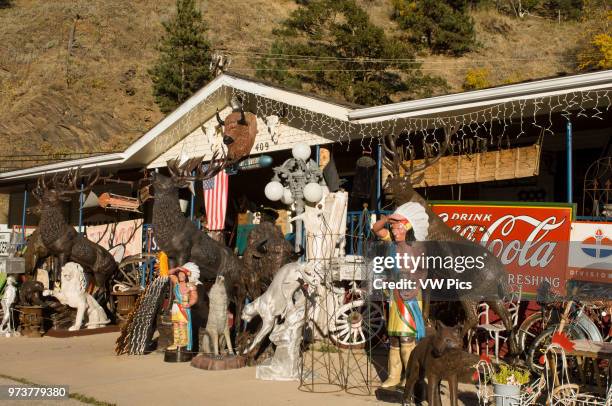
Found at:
<point>287,197</point>
<point>313,192</point>
<point>274,191</point>
<point>301,151</point>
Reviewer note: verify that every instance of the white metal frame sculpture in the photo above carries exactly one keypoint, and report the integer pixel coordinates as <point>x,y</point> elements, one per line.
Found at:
<point>561,392</point>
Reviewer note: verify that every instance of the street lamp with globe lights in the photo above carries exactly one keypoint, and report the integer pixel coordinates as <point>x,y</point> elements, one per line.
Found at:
<point>298,180</point>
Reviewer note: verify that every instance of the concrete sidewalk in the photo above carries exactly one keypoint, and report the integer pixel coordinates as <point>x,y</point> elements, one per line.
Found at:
<point>88,365</point>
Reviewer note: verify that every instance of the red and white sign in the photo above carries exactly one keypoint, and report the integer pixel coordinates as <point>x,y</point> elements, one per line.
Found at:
<point>530,240</point>
<point>122,239</point>
<point>590,256</point>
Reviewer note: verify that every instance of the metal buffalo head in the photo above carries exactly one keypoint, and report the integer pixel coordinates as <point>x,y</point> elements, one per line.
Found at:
<point>239,131</point>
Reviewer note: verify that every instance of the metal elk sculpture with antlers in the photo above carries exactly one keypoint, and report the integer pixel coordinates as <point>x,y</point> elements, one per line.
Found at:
<point>181,239</point>
<point>488,284</point>
<point>59,237</point>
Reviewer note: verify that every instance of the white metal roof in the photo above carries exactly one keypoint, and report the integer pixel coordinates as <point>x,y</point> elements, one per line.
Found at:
<point>184,120</point>
<point>478,98</point>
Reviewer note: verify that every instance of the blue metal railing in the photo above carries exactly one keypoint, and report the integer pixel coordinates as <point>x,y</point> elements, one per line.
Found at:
<point>360,231</point>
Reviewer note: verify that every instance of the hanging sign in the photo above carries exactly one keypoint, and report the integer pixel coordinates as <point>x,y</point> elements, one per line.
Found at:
<point>512,163</point>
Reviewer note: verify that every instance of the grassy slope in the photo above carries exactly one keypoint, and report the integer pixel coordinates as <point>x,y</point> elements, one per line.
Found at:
<point>52,102</point>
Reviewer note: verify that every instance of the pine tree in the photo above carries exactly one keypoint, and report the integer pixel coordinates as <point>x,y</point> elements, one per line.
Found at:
<point>444,26</point>
<point>331,47</point>
<point>183,66</point>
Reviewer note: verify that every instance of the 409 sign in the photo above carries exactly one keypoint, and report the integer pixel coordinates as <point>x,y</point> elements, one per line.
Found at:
<point>262,146</point>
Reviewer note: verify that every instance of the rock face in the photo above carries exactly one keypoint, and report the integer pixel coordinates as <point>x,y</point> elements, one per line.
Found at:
<point>72,79</point>
<point>73,73</point>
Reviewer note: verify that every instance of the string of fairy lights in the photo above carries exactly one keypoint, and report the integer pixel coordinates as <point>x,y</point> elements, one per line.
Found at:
<point>492,127</point>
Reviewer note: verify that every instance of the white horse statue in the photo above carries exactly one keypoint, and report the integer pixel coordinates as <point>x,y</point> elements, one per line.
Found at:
<point>73,293</point>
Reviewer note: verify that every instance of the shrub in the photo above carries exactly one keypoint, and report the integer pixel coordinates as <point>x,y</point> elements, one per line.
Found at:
<point>476,78</point>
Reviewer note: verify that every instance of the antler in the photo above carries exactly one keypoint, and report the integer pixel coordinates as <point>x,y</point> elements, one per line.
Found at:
<point>68,184</point>
<point>193,169</point>
<point>395,158</point>
<point>40,188</point>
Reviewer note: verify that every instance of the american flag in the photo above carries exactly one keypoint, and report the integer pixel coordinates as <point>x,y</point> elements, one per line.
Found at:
<point>215,200</point>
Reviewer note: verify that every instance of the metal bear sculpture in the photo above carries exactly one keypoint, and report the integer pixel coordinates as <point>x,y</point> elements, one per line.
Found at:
<point>267,251</point>
<point>30,293</point>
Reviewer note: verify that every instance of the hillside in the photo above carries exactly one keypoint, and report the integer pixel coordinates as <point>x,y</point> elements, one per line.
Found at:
<point>73,73</point>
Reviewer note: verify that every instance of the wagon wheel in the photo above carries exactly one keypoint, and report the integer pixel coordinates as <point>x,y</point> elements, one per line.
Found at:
<point>357,323</point>
<point>128,275</point>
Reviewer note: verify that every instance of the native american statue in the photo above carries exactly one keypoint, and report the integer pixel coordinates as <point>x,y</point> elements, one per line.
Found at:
<point>59,237</point>
<point>489,284</point>
<point>184,296</point>
<point>73,293</point>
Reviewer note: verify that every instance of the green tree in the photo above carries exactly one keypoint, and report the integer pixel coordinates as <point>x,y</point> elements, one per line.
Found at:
<point>444,26</point>
<point>183,66</point>
<point>331,47</point>
<point>571,9</point>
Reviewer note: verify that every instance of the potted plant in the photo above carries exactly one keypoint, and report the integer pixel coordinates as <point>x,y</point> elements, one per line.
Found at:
<point>507,384</point>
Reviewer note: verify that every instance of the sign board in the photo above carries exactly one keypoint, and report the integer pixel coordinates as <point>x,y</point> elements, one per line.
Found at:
<point>5,240</point>
<point>125,236</point>
<point>512,163</point>
<point>10,265</point>
<point>531,240</point>
<point>590,256</point>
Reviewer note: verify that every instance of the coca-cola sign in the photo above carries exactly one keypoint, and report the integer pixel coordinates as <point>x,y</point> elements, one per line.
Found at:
<point>530,240</point>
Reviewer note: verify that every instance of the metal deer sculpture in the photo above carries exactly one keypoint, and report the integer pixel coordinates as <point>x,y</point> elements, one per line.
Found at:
<point>59,237</point>
<point>179,237</point>
<point>183,242</point>
<point>239,131</point>
<point>427,226</point>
